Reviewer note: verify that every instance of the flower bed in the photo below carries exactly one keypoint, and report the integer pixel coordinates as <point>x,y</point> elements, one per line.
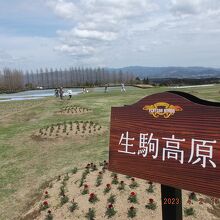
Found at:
<point>67,198</point>
<point>68,129</point>
<point>73,110</point>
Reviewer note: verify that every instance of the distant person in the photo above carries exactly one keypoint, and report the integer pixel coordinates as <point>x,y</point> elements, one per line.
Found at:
<point>70,93</point>
<point>56,92</point>
<point>84,90</point>
<point>61,92</point>
<point>106,88</point>
<point>123,87</point>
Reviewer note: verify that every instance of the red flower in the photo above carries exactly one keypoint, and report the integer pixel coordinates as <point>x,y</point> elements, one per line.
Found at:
<point>201,200</point>
<point>115,176</point>
<point>86,186</point>
<point>72,200</point>
<point>92,195</point>
<point>46,192</point>
<point>100,173</point>
<point>150,182</point>
<point>132,179</point>
<point>45,203</point>
<point>108,185</point>
<point>122,182</point>
<point>110,206</point>
<point>132,208</point>
<point>192,194</point>
<point>133,194</point>
<point>49,212</point>
<point>151,200</point>
<point>189,201</point>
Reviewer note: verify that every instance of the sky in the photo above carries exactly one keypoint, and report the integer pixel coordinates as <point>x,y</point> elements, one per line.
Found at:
<point>109,33</point>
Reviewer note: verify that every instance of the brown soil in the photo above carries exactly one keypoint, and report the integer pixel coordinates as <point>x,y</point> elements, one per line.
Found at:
<point>68,129</point>
<point>208,210</point>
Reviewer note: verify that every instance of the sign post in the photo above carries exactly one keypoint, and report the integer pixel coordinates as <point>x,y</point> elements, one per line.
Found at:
<point>171,199</point>
<point>171,138</point>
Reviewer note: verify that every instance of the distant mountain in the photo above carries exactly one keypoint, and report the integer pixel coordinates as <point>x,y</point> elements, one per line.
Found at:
<point>171,72</point>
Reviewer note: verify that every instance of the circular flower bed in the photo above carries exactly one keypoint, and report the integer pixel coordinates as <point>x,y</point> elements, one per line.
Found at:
<point>76,195</point>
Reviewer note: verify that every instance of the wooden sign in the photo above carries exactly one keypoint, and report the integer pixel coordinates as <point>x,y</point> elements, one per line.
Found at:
<point>172,138</point>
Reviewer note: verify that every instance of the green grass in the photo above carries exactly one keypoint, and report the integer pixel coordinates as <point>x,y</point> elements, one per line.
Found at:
<point>26,164</point>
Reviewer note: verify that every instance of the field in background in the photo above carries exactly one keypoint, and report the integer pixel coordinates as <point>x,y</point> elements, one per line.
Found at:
<point>26,164</point>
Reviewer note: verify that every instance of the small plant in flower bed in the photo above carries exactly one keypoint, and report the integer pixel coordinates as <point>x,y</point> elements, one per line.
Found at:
<point>104,165</point>
<point>132,197</point>
<point>94,167</point>
<point>90,215</point>
<point>66,177</point>
<point>63,182</point>
<point>99,179</point>
<point>132,212</point>
<point>49,215</point>
<point>73,206</point>
<point>74,170</point>
<point>88,166</point>
<point>201,201</point>
<point>121,186</point>
<point>111,199</point>
<point>115,180</point>
<point>83,177</point>
<point>133,184</point>
<point>93,198</point>
<point>150,189</point>
<point>62,190</point>
<point>46,194</point>
<point>214,201</point>
<point>189,211</point>
<point>85,189</point>
<point>192,196</point>
<point>44,205</point>
<point>110,211</point>
<point>128,177</point>
<point>107,188</point>
<point>101,164</point>
<point>151,205</point>
<point>113,174</point>
<point>64,199</point>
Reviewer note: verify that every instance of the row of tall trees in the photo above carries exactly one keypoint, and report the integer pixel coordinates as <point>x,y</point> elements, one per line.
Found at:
<point>11,80</point>
<point>14,80</point>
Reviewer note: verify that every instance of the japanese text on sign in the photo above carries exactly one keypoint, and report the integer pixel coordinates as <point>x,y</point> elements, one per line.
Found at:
<point>201,150</point>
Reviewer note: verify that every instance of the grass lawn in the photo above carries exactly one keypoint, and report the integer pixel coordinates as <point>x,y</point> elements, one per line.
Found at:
<point>26,164</point>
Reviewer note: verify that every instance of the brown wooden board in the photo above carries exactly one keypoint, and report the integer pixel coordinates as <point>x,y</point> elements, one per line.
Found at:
<point>180,145</point>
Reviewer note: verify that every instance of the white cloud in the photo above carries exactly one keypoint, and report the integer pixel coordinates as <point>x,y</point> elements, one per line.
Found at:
<point>63,9</point>
<point>76,50</point>
<point>89,34</point>
<point>185,7</point>
<point>193,7</point>
<point>118,33</point>
<point>98,23</point>
<point>30,53</point>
